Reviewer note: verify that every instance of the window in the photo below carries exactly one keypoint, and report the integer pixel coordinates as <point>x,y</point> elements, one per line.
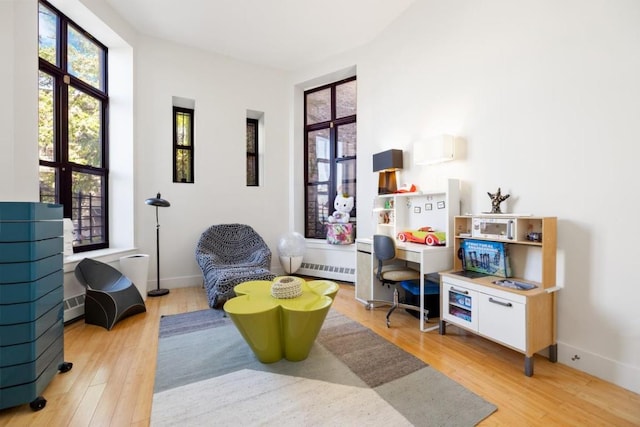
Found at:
<point>183,145</point>
<point>252,153</point>
<point>72,126</point>
<point>330,151</point>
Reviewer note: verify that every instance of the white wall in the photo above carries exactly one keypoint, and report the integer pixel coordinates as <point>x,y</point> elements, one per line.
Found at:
<point>223,91</point>
<point>18,118</point>
<point>547,95</point>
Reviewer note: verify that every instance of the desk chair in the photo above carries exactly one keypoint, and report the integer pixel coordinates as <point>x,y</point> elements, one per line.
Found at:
<point>384,249</point>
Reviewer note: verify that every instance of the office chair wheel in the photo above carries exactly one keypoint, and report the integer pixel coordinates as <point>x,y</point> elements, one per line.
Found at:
<point>388,323</point>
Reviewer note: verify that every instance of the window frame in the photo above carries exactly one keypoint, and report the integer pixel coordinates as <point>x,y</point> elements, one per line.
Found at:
<point>179,147</point>
<point>333,124</point>
<point>64,168</point>
<point>252,157</point>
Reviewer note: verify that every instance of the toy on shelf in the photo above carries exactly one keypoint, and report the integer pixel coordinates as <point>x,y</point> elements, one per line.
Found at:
<point>496,199</point>
<point>407,188</point>
<point>425,235</point>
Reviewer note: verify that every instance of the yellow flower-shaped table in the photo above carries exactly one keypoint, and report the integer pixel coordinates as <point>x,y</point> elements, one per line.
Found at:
<point>280,327</point>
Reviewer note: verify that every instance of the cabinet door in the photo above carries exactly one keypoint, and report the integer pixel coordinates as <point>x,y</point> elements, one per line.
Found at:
<point>503,320</point>
<point>459,305</point>
<point>364,272</point>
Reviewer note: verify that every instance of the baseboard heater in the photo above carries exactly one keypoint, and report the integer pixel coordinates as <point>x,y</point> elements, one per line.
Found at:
<point>73,308</point>
<point>346,274</point>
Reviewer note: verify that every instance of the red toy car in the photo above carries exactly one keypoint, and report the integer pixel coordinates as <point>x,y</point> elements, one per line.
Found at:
<point>426,235</point>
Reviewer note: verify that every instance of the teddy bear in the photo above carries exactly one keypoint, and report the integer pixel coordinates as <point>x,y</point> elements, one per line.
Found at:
<point>343,205</point>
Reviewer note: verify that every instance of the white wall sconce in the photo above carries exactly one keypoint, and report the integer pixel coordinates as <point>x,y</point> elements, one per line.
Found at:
<point>434,150</point>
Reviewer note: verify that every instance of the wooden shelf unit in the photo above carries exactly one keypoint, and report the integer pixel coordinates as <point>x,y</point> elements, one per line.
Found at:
<point>523,320</point>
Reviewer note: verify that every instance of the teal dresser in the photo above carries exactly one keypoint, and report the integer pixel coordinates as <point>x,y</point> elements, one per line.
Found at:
<point>31,301</point>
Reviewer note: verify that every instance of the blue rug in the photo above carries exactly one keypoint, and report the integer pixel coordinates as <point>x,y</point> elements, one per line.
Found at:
<point>206,372</point>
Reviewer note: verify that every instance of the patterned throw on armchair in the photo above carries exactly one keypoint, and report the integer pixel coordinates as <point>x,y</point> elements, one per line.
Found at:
<point>229,254</point>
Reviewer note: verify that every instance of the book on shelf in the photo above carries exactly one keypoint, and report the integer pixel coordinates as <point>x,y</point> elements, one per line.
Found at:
<point>485,257</point>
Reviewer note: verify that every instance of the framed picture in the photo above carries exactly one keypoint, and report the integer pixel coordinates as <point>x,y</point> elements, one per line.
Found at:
<point>416,209</point>
<point>440,205</point>
<point>428,206</point>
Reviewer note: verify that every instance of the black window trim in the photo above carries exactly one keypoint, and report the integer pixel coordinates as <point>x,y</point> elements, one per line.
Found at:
<point>254,156</point>
<point>64,167</point>
<point>177,147</point>
<point>333,124</point>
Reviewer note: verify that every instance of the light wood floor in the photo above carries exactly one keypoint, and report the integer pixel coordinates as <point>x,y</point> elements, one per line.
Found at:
<point>111,383</point>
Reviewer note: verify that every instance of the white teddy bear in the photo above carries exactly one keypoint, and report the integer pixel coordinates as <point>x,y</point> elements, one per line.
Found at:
<point>343,206</point>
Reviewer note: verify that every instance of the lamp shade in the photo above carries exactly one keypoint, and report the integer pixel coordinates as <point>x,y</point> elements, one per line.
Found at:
<point>387,160</point>
<point>434,150</point>
<point>158,201</point>
<point>291,248</point>
<point>291,244</point>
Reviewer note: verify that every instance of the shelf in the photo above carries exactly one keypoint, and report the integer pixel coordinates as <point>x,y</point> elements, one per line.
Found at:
<point>461,315</point>
<point>522,319</point>
<point>463,307</point>
<point>412,211</point>
<point>519,242</point>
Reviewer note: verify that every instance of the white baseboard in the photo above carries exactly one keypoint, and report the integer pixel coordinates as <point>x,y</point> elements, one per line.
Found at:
<point>176,282</point>
<point>623,375</point>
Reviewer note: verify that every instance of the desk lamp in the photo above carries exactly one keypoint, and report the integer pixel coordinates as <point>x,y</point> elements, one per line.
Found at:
<point>158,202</point>
<point>387,163</point>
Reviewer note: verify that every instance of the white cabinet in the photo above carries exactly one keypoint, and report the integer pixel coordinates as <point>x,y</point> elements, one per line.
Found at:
<point>521,319</point>
<point>488,312</point>
<point>503,320</point>
<point>460,305</point>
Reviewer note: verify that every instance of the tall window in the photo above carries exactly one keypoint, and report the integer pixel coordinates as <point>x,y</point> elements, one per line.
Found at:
<point>183,145</point>
<point>252,153</point>
<point>330,151</point>
<point>72,127</point>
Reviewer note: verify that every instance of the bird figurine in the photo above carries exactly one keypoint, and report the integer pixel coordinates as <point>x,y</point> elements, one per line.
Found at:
<point>496,199</point>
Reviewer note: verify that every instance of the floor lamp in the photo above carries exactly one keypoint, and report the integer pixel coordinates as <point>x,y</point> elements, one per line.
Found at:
<point>158,202</point>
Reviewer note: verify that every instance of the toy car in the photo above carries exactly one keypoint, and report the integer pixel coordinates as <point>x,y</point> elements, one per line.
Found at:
<point>426,235</point>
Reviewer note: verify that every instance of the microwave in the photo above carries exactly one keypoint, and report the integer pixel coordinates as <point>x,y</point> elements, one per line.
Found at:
<point>494,228</point>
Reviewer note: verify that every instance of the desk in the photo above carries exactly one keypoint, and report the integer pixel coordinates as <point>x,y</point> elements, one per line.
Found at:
<point>431,259</point>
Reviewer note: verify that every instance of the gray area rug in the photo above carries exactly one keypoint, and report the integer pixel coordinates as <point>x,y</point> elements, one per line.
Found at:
<point>207,375</point>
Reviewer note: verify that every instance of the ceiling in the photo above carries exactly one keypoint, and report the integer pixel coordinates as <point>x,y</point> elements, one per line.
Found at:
<point>284,34</point>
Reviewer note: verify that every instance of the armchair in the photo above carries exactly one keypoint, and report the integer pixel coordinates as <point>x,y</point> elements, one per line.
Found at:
<point>229,254</point>
<point>110,295</point>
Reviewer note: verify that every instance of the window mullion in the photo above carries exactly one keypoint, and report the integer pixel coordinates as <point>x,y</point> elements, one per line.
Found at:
<point>62,37</point>
<point>333,144</point>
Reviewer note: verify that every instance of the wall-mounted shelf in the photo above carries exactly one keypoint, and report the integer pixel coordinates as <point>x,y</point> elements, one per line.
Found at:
<point>394,213</point>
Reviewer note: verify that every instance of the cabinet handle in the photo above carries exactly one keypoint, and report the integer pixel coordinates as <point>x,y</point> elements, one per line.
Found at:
<point>459,291</point>
<point>506,304</point>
